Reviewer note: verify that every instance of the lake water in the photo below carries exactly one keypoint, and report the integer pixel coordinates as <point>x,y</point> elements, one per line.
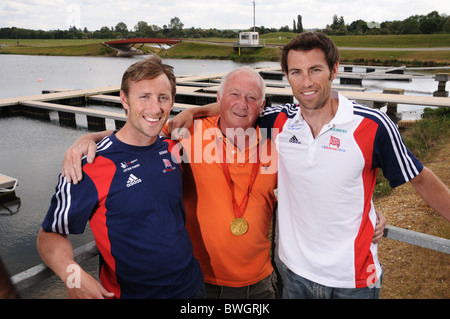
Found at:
<point>28,75</point>
<point>32,151</point>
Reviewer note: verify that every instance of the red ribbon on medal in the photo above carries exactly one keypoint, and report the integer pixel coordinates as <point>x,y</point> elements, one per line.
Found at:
<point>240,209</point>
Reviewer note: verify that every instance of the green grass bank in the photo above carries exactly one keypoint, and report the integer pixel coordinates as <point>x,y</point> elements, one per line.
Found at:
<point>218,48</point>
<point>55,47</point>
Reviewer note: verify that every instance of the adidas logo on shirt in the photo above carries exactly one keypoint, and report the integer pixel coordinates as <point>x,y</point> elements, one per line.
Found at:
<point>133,180</point>
<point>294,140</point>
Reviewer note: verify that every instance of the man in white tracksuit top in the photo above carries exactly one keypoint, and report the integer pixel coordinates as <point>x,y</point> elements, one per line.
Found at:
<point>329,150</point>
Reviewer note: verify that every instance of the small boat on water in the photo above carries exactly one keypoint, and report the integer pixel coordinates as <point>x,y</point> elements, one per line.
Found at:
<point>7,188</point>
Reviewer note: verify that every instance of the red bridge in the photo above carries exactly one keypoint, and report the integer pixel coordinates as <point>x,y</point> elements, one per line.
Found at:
<point>127,47</point>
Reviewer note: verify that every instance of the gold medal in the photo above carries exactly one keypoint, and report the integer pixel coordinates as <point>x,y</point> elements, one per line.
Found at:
<point>239,226</point>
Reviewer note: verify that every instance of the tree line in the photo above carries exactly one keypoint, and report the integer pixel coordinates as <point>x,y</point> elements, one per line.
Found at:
<point>416,24</point>
<point>431,23</point>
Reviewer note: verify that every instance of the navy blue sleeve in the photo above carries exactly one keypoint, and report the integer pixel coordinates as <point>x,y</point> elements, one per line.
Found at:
<point>272,119</point>
<point>71,206</point>
<point>399,165</point>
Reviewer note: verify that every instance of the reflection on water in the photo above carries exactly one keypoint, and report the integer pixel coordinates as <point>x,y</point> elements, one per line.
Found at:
<point>10,207</point>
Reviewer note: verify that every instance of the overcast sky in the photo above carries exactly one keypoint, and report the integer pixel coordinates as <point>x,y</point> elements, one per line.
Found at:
<point>205,14</point>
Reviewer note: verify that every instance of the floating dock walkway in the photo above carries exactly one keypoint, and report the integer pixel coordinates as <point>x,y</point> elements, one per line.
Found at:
<point>194,91</point>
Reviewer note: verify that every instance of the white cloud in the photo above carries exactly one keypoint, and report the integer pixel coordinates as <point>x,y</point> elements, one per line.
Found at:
<point>232,14</point>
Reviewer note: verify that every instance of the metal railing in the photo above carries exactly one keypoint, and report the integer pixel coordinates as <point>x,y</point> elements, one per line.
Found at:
<point>41,272</point>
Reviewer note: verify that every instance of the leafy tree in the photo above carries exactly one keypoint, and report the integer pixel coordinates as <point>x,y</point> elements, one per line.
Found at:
<point>142,29</point>
<point>176,27</point>
<point>338,26</point>
<point>446,26</point>
<point>299,24</point>
<point>358,27</point>
<point>122,28</point>
<point>432,23</point>
<point>410,25</point>
<point>176,24</point>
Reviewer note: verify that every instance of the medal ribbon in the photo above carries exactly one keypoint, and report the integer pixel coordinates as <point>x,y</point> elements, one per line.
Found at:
<point>240,209</point>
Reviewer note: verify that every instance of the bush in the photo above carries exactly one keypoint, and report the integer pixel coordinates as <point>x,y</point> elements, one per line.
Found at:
<point>430,132</point>
<point>422,139</point>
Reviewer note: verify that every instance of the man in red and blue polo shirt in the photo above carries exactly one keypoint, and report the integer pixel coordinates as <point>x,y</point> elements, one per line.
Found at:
<point>132,198</point>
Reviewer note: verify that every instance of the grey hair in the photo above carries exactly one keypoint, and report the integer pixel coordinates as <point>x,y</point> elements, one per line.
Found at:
<point>248,70</point>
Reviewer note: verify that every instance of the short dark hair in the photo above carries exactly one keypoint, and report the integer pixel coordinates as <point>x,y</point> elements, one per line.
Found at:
<point>148,69</point>
<point>308,41</point>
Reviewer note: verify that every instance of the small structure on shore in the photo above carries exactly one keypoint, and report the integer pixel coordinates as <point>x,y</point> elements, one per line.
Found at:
<point>248,40</point>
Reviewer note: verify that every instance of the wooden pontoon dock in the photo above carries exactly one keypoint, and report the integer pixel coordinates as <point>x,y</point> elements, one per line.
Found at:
<point>191,91</point>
